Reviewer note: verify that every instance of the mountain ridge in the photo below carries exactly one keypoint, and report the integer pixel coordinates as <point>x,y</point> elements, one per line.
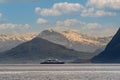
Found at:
<point>8,41</point>
<point>74,40</point>
<point>37,49</point>
<point>71,39</point>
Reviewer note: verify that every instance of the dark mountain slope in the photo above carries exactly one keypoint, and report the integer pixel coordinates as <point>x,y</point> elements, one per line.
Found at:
<point>37,49</point>
<point>112,52</point>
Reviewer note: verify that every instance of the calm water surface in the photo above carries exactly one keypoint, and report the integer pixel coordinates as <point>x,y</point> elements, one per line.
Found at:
<point>60,72</point>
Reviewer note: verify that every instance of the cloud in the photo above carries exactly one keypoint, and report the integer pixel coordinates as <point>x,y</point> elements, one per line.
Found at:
<point>68,23</point>
<point>95,29</point>
<point>77,23</point>
<point>91,12</point>
<point>14,26</point>
<point>66,8</point>
<point>113,4</point>
<point>47,12</point>
<point>41,21</point>
<point>59,9</point>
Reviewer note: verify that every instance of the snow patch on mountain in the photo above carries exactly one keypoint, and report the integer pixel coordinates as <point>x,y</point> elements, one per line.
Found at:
<point>8,41</point>
<point>71,39</point>
<point>74,40</point>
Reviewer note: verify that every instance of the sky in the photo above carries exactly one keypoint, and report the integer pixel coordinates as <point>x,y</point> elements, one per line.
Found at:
<point>96,17</point>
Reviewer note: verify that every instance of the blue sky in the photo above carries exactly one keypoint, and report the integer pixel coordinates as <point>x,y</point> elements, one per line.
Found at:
<point>100,17</point>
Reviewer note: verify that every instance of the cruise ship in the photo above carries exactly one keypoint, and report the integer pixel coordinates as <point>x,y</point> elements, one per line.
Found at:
<point>52,61</point>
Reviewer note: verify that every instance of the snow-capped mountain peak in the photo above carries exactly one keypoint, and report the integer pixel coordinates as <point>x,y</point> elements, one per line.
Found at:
<point>8,41</point>
<point>77,37</point>
<point>20,37</point>
<point>72,39</point>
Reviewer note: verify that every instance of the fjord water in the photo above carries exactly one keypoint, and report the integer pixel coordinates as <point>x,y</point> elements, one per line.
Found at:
<point>60,72</point>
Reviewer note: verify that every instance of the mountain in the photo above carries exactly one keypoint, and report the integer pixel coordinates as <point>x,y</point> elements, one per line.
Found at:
<point>36,49</point>
<point>69,38</point>
<point>98,51</point>
<point>78,61</point>
<point>112,52</point>
<point>67,45</point>
<point>104,39</point>
<point>8,41</point>
<point>74,40</point>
